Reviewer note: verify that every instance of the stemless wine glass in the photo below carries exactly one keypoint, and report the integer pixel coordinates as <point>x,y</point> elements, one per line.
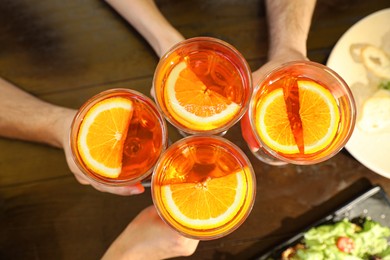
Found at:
<point>202,85</point>
<point>117,137</point>
<point>302,113</point>
<point>203,186</point>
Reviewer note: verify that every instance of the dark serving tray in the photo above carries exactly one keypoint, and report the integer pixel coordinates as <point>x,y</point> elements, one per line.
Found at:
<point>373,203</point>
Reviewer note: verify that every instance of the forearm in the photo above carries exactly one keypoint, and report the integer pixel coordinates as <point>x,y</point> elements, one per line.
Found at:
<point>25,117</point>
<point>146,18</point>
<point>289,23</point>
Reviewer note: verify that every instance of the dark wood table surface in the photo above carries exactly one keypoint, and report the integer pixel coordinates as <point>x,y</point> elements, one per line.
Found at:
<point>66,51</point>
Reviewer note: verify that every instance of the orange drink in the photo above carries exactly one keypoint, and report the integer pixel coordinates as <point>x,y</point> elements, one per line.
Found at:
<point>202,85</point>
<point>301,113</point>
<point>117,137</point>
<point>203,186</point>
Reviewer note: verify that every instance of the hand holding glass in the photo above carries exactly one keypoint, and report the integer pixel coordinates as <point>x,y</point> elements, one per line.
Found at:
<point>117,137</point>
<point>300,113</point>
<point>202,85</point>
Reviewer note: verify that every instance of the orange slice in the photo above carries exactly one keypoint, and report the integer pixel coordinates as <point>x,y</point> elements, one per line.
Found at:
<point>194,105</point>
<point>318,112</point>
<point>102,134</point>
<point>272,123</point>
<point>206,205</point>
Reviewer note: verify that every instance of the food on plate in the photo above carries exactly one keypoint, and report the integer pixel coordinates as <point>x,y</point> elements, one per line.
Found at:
<point>372,98</point>
<point>343,240</point>
<point>385,85</point>
<point>356,50</point>
<point>376,60</point>
<point>376,112</point>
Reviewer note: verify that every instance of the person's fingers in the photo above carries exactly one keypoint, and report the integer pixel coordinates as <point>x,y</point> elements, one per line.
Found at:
<point>187,246</point>
<point>81,179</point>
<point>153,93</point>
<point>120,190</point>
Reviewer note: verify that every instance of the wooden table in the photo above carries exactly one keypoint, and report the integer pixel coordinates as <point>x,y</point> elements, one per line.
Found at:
<point>66,51</point>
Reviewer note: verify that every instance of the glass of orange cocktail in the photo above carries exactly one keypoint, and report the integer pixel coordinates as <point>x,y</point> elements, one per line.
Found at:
<point>301,113</point>
<point>203,186</point>
<point>202,85</point>
<point>117,137</point>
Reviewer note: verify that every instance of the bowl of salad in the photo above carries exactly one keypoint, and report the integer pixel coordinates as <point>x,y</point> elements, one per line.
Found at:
<point>360,229</point>
<point>345,239</point>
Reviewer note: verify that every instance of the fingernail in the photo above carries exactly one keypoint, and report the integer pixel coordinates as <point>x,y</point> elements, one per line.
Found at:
<point>135,191</point>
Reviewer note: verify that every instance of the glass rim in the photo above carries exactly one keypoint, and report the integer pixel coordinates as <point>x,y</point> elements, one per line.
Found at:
<point>350,101</point>
<point>251,195</point>
<point>74,128</point>
<point>247,75</point>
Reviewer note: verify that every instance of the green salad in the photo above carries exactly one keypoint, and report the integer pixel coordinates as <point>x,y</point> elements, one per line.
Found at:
<point>385,85</point>
<point>343,240</point>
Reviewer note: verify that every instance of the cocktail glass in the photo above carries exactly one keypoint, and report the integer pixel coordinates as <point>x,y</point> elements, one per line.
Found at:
<point>302,113</point>
<point>202,85</point>
<point>137,139</point>
<point>203,186</point>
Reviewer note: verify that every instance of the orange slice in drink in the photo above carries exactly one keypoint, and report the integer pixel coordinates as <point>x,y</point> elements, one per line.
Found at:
<point>318,112</point>
<point>272,123</point>
<point>206,205</point>
<point>102,134</point>
<point>193,104</point>
<point>320,115</point>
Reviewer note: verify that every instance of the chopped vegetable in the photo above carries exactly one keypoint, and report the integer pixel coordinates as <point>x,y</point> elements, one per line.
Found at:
<point>344,240</point>
<point>385,85</point>
<point>345,244</point>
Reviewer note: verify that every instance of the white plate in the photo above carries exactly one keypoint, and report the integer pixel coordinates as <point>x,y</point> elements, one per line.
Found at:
<point>371,149</point>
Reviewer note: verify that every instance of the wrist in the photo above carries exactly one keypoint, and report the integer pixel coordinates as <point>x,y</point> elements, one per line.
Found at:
<point>61,120</point>
<point>287,53</point>
<point>128,251</point>
<point>167,40</point>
